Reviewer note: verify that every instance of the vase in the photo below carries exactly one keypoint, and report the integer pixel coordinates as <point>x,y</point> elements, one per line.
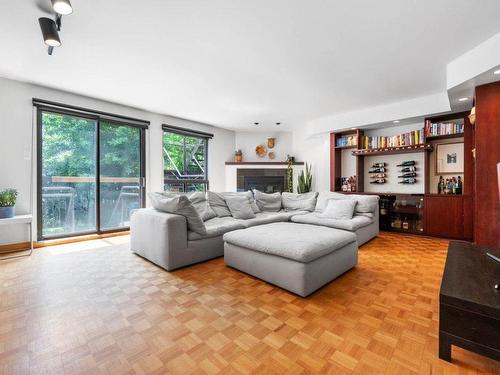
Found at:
<point>7,212</point>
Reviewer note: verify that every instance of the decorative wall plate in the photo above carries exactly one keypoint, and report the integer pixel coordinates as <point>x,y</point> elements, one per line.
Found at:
<point>261,151</point>
<point>271,155</point>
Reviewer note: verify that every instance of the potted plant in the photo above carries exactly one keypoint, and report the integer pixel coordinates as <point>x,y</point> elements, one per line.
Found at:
<point>7,203</point>
<point>305,180</point>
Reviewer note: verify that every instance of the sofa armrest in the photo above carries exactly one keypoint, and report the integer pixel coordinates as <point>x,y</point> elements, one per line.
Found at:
<point>157,236</point>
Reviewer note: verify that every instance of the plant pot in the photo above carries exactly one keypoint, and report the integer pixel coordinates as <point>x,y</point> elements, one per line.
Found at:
<point>7,212</point>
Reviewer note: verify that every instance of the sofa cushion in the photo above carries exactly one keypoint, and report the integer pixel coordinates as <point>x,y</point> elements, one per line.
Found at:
<point>366,203</point>
<point>315,218</point>
<point>180,205</point>
<point>197,198</point>
<point>300,242</point>
<point>294,202</point>
<point>268,202</point>
<point>247,194</point>
<point>217,227</point>
<point>200,203</point>
<point>218,202</point>
<point>339,209</point>
<point>240,207</point>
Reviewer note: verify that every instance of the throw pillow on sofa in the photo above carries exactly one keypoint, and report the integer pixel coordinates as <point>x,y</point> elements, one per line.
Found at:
<point>339,209</point>
<point>179,205</point>
<point>240,207</point>
<point>268,202</point>
<point>217,202</point>
<point>200,203</point>
<point>295,202</point>
<point>247,194</point>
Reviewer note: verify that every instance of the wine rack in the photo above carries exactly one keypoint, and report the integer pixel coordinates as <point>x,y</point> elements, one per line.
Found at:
<point>408,172</point>
<point>378,173</point>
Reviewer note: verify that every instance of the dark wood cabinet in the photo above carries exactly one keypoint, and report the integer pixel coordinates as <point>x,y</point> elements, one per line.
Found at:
<point>448,216</point>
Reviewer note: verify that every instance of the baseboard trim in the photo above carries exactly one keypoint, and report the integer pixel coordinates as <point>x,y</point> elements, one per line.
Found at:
<point>22,246</point>
<point>9,248</point>
<point>88,237</point>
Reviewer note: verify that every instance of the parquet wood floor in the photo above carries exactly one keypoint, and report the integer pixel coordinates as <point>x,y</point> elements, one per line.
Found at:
<point>96,308</point>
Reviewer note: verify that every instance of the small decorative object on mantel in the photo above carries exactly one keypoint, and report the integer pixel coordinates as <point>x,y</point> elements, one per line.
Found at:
<point>8,203</point>
<point>238,156</point>
<point>305,180</point>
<point>272,155</point>
<point>271,142</point>
<point>261,151</point>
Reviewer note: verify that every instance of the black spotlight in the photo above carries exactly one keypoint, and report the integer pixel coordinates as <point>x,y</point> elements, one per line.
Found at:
<point>49,32</point>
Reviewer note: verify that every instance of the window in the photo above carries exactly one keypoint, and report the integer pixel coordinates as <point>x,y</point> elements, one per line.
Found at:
<point>185,155</point>
<point>90,172</point>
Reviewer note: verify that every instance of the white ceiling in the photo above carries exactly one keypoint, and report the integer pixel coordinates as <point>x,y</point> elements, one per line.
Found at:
<point>232,62</point>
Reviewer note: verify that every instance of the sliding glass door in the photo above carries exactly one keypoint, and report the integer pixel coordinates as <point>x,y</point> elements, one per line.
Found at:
<point>120,171</point>
<point>90,174</point>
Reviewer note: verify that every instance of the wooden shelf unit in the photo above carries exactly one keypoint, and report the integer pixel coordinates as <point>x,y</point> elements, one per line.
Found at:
<point>392,150</point>
<point>336,160</point>
<point>436,208</point>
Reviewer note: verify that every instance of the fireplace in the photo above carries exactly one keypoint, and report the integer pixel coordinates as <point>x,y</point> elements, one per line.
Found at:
<point>262,179</point>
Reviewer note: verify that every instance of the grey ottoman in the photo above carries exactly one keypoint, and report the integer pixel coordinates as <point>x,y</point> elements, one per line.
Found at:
<point>300,258</point>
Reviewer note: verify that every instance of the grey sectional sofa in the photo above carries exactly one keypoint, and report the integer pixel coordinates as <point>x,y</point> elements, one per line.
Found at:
<point>165,240</point>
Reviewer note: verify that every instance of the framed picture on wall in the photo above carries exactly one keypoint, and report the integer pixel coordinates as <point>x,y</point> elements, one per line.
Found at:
<point>449,158</point>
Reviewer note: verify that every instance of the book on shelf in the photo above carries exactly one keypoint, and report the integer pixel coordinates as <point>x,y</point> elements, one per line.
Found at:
<point>346,141</point>
<point>434,129</point>
<point>415,137</point>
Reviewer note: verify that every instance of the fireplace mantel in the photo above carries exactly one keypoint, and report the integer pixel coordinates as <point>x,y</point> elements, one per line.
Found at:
<point>263,163</point>
<point>231,170</point>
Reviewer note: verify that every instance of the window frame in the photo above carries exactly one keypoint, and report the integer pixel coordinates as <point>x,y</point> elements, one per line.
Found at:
<point>57,108</point>
<point>186,133</point>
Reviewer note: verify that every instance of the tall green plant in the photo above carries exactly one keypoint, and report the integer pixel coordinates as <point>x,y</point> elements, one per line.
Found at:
<point>8,197</point>
<point>305,180</point>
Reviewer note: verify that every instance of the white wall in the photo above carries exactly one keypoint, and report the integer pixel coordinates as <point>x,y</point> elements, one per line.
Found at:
<point>16,120</point>
<point>314,150</point>
<point>248,141</point>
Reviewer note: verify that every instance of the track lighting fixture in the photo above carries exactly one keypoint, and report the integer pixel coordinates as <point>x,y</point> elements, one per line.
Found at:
<point>51,27</point>
<point>62,7</point>
<point>49,32</point>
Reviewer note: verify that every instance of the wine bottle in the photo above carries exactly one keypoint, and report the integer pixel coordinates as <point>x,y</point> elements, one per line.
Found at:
<point>378,181</point>
<point>378,175</point>
<point>408,169</point>
<point>440,185</point>
<point>408,181</point>
<point>378,165</point>
<point>459,185</point>
<point>407,175</point>
<point>408,163</point>
<point>377,170</point>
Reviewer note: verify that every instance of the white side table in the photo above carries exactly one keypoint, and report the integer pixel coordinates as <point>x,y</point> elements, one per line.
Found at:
<point>20,219</point>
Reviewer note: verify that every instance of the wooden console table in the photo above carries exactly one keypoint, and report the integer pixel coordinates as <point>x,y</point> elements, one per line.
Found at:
<point>469,304</point>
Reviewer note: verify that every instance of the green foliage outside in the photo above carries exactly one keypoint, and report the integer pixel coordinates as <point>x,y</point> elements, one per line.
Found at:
<point>8,197</point>
<point>184,159</point>
<point>69,149</point>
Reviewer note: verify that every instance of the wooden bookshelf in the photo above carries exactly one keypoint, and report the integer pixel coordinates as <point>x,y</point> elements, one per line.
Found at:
<point>458,207</point>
